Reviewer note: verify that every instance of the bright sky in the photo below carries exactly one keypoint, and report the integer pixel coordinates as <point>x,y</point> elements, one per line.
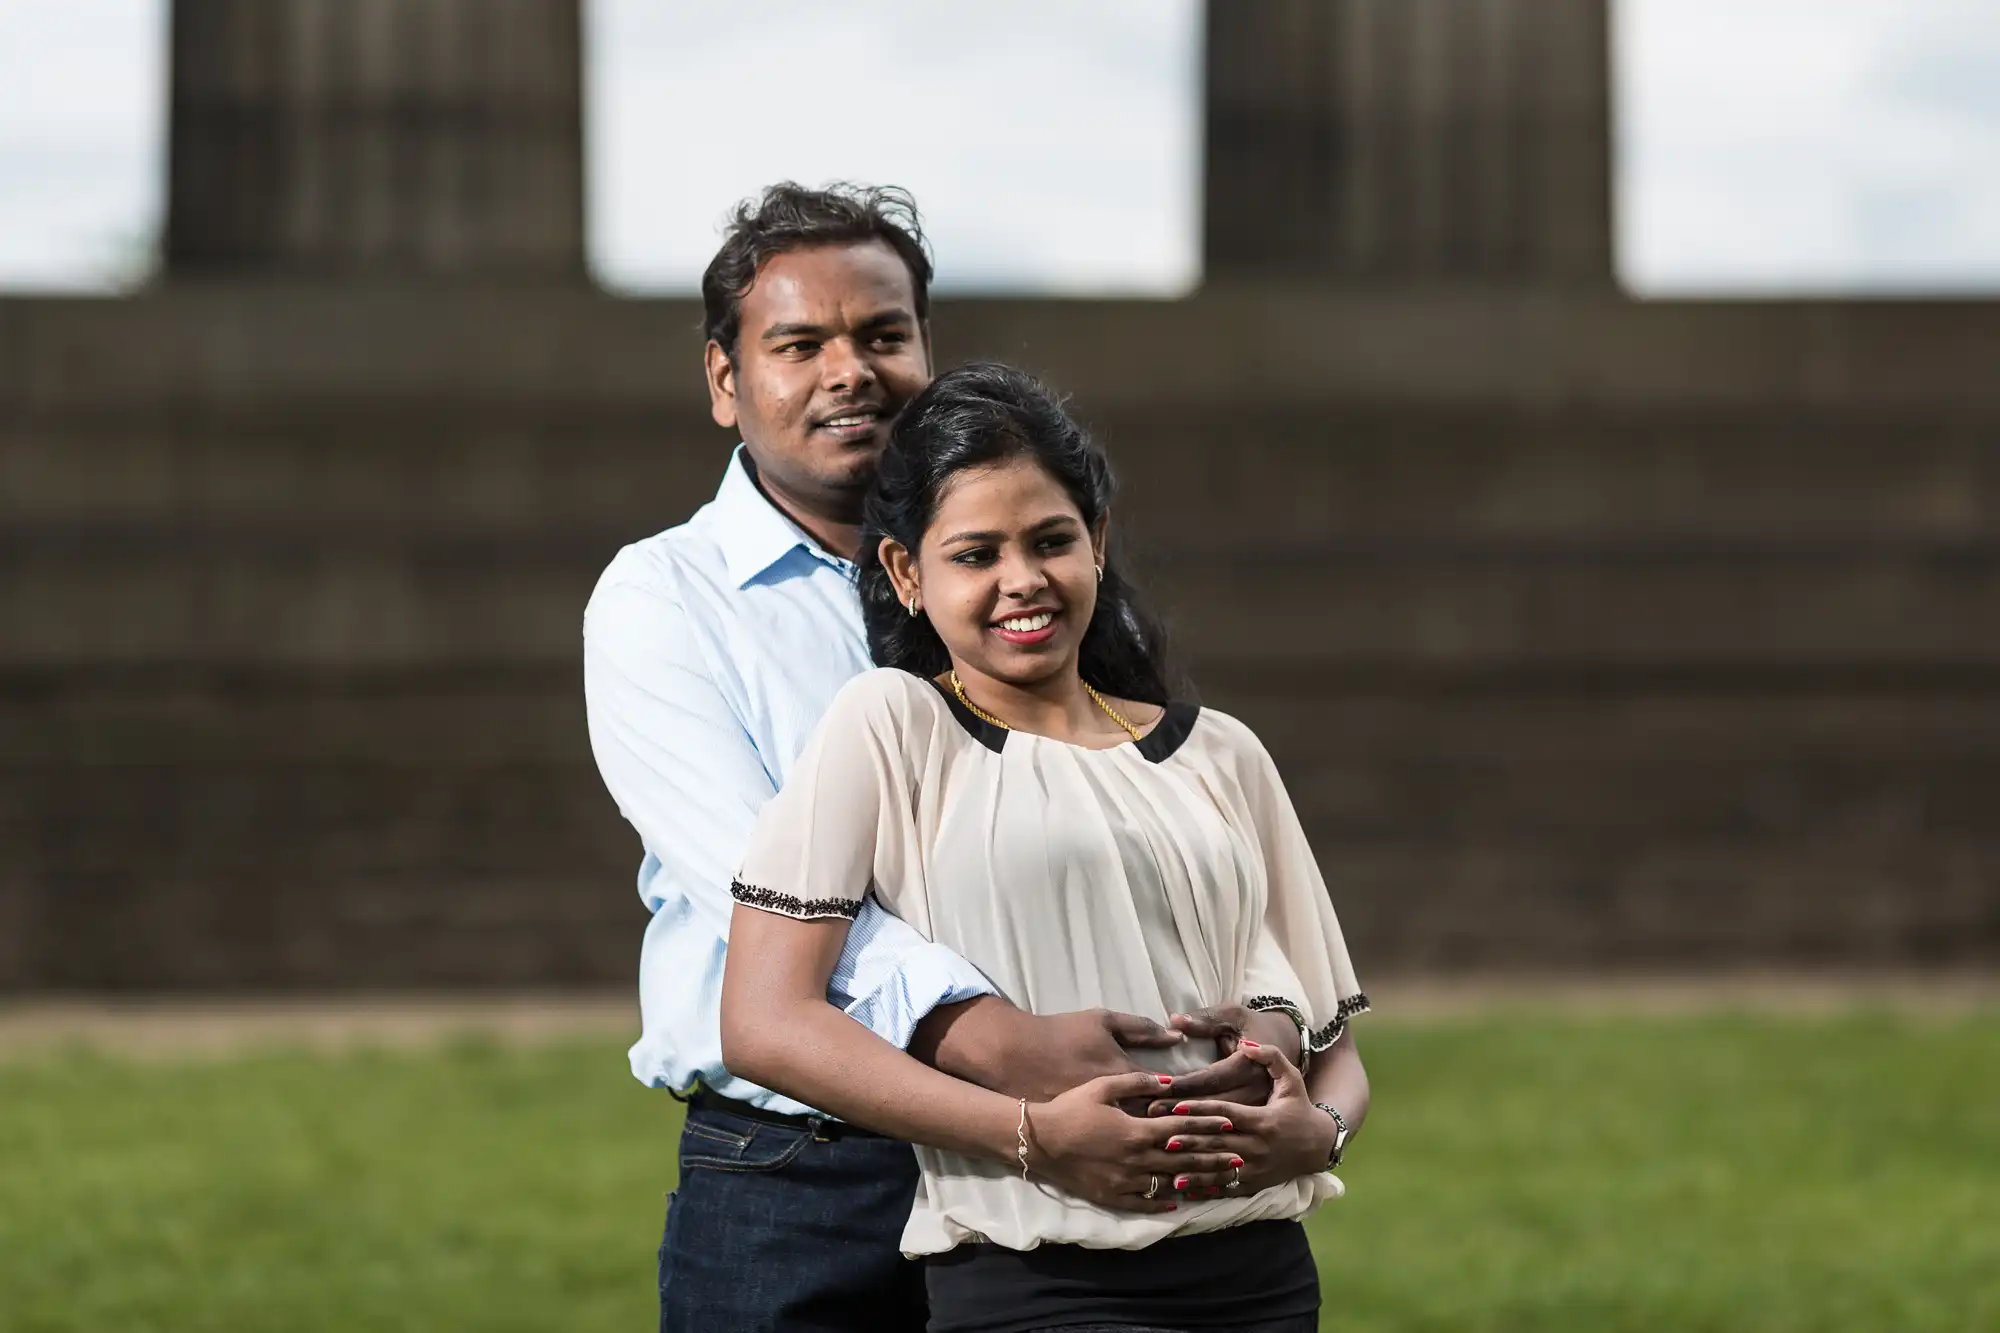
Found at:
<point>1808,145</point>
<point>83,96</point>
<point>1764,145</point>
<point>1051,144</point>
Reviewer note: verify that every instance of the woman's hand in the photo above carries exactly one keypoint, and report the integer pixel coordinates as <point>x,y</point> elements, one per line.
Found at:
<point>1084,1143</point>
<point>1283,1139</point>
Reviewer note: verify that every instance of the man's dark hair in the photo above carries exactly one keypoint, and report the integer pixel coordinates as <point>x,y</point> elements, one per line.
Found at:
<point>788,216</point>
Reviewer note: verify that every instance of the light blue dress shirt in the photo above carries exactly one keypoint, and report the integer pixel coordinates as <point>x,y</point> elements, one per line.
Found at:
<point>710,651</point>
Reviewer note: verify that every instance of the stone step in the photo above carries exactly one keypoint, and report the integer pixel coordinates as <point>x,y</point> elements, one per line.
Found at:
<point>305,600</point>
<point>1613,758</point>
<point>308,348</point>
<point>396,780</point>
<point>1211,477</point>
<point>1303,478</point>
<point>1361,769</point>
<point>260,832</point>
<point>1362,763</point>
<point>1412,905</point>
<point>1546,905</point>
<point>1641,607</point>
<point>290,926</point>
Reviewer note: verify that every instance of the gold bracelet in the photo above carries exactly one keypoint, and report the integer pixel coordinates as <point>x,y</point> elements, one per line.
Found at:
<point>1021,1139</point>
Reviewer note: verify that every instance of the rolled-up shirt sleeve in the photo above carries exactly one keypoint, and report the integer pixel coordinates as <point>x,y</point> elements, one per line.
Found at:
<point>889,977</point>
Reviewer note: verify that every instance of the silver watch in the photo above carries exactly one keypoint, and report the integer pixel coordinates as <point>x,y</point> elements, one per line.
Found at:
<point>1340,1133</point>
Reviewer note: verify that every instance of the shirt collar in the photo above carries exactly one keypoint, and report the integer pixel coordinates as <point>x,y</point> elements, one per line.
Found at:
<point>754,534</point>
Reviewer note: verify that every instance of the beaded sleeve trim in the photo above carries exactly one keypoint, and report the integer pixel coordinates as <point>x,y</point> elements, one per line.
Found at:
<point>784,904</point>
<point>1279,1004</point>
<point>1350,1007</point>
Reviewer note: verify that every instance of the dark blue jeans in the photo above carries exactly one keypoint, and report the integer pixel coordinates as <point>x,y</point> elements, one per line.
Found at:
<point>776,1231</point>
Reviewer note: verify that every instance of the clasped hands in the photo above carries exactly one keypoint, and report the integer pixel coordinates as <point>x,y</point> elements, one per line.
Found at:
<point>1142,1141</point>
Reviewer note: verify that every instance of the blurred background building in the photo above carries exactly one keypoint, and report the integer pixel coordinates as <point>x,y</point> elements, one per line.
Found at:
<point>1589,632</point>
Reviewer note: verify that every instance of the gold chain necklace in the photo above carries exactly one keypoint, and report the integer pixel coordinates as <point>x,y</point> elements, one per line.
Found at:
<point>959,689</point>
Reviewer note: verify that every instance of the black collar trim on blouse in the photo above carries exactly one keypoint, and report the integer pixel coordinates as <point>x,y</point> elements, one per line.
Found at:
<point>988,735</point>
<point>1156,745</point>
<point>1170,731</point>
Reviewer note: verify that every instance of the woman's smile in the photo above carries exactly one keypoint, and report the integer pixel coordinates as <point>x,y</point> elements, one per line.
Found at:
<point>1027,628</point>
<point>1007,572</point>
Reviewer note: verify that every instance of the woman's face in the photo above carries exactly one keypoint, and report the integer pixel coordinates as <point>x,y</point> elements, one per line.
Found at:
<point>1007,572</point>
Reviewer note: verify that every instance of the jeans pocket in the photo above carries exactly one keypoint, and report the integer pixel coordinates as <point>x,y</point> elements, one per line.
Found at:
<point>764,1148</point>
<point>714,1138</point>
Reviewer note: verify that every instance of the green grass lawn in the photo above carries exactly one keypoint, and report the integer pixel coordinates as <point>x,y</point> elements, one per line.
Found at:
<point>1523,1173</point>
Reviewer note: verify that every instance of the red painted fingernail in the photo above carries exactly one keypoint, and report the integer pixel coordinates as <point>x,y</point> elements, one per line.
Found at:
<point>1180,1182</point>
<point>1173,1145</point>
<point>1166,1079</point>
<point>1182,1109</point>
<point>1227,1126</point>
<point>1251,1044</point>
<point>1236,1161</point>
<point>1173,1207</point>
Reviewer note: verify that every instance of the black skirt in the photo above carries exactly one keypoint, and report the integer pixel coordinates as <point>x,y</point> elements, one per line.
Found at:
<point>1251,1274</point>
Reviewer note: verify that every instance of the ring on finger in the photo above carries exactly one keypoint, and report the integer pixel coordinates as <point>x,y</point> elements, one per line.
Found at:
<point>1235,1178</point>
<point>1152,1187</point>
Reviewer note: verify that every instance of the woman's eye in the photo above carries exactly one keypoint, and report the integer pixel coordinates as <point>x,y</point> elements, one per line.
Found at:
<point>978,555</point>
<point>1062,543</point>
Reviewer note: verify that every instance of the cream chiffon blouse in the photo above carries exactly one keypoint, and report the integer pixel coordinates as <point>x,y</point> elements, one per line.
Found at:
<point>1154,878</point>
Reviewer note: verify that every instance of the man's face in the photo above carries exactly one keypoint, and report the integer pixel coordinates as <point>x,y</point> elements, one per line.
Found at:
<point>829,351</point>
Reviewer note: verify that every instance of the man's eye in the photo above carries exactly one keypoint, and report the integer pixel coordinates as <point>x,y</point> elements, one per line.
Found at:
<point>797,349</point>
<point>890,340</point>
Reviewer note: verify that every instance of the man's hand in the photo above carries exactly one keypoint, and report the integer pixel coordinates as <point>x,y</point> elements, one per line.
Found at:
<point>1235,1077</point>
<point>1285,1138</point>
<point>989,1042</point>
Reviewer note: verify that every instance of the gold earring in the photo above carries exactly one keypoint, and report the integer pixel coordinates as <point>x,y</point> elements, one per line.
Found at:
<point>913,606</point>
<point>1100,573</point>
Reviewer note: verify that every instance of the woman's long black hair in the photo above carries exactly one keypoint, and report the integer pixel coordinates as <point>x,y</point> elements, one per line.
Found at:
<point>975,416</point>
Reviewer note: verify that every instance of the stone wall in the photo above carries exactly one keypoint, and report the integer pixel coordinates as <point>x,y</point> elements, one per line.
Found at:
<point>1586,633</point>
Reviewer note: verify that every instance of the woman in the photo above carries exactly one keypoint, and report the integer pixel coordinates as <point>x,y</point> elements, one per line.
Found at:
<point>1017,785</point>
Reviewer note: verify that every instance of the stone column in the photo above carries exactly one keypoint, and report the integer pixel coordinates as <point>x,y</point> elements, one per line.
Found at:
<point>1409,140</point>
<point>405,138</point>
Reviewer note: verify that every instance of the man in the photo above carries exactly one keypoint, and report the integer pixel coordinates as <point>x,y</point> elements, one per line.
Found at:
<point>710,652</point>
